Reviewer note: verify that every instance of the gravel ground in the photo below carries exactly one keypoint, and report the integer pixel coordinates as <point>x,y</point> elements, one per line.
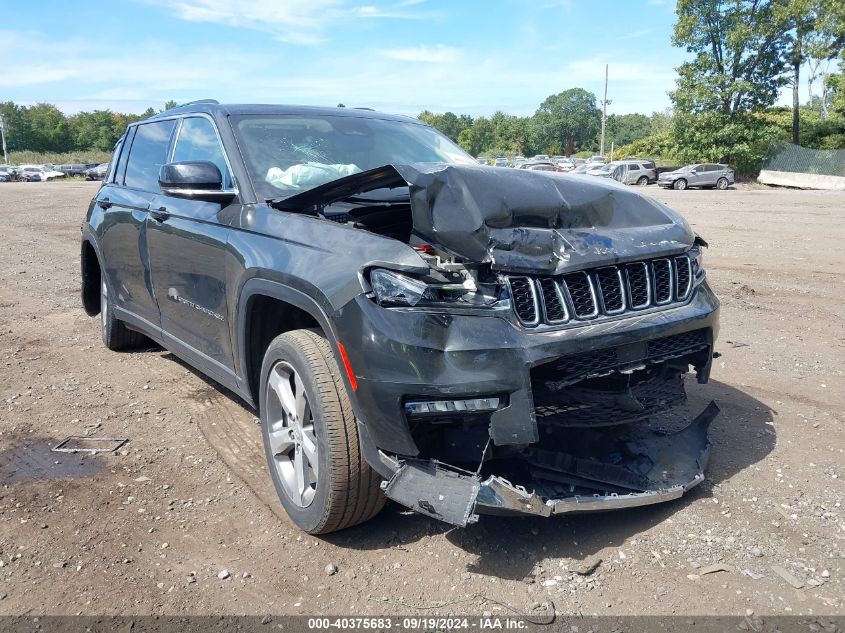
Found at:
<point>183,520</point>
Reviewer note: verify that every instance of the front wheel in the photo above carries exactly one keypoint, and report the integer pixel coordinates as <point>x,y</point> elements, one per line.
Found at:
<point>722,184</point>
<point>680,184</point>
<point>311,437</point>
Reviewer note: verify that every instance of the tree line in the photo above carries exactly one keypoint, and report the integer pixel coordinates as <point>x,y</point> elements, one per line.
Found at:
<point>743,54</point>
<point>44,128</point>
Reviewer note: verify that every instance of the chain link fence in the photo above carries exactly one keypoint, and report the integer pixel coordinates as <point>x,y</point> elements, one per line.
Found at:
<point>786,157</point>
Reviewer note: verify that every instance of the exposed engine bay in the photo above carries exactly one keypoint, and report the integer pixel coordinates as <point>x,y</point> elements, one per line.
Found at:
<point>572,262</point>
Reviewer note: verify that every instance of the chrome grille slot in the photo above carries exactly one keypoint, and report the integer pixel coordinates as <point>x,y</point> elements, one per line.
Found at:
<point>554,306</point>
<point>582,294</point>
<point>661,273</point>
<point>524,299</point>
<point>610,286</point>
<point>639,287</point>
<point>601,292</point>
<point>683,277</point>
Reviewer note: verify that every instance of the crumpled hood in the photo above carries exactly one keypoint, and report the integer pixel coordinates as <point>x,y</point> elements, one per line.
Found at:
<point>519,220</point>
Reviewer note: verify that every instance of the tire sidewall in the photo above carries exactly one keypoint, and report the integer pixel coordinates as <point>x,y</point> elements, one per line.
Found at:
<point>311,517</point>
<point>643,181</point>
<point>722,184</point>
<point>680,184</point>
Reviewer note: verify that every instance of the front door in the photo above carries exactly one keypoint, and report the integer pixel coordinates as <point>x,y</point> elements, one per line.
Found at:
<point>187,243</point>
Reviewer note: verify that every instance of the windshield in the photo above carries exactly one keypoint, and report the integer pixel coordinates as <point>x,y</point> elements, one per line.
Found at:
<point>287,154</point>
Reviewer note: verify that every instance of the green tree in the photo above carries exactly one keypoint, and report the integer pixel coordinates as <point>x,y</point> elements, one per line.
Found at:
<point>18,128</point>
<point>168,105</point>
<point>566,120</point>
<point>739,48</point>
<point>49,129</point>
<point>624,129</point>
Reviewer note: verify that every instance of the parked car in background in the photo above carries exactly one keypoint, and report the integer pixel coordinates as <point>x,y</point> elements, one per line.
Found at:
<point>8,173</point>
<point>540,158</point>
<point>97,172</point>
<point>31,173</point>
<point>631,172</point>
<point>501,161</point>
<point>38,173</point>
<point>483,160</point>
<point>74,169</point>
<point>564,165</point>
<point>707,175</point>
<point>541,166</point>
<point>597,159</point>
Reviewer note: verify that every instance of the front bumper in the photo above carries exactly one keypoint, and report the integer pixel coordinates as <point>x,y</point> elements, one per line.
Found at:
<point>399,355</point>
<point>671,464</point>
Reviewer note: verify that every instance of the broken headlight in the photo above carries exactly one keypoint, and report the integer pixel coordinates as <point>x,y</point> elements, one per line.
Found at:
<point>696,255</point>
<point>392,289</point>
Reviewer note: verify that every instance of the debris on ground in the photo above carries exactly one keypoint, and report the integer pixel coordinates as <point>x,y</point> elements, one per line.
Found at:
<point>792,580</point>
<point>713,569</point>
<point>587,566</point>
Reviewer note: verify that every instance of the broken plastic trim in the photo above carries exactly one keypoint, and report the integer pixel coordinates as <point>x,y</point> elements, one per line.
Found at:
<point>456,496</point>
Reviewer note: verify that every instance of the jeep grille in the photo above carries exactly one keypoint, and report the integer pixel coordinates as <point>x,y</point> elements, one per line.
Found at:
<point>605,291</point>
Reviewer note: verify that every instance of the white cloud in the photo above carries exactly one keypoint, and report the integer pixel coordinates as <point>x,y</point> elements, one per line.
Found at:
<point>438,54</point>
<point>291,21</point>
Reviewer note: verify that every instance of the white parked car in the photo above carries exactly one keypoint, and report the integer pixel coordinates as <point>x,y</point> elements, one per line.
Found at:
<point>38,173</point>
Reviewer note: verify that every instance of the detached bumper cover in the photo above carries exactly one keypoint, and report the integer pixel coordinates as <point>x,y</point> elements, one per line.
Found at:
<point>663,466</point>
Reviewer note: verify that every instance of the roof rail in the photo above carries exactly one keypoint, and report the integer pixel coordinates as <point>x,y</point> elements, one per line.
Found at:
<point>213,101</point>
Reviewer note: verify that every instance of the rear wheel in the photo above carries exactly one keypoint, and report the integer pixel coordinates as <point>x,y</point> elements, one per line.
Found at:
<point>116,336</point>
<point>311,437</point>
<point>642,181</point>
<point>722,184</point>
<point>680,184</point>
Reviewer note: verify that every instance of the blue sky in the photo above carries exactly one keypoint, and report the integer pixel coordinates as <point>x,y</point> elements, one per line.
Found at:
<point>468,56</point>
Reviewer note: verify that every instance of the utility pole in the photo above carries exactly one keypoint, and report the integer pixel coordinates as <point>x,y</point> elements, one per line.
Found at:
<point>3,134</point>
<point>604,112</point>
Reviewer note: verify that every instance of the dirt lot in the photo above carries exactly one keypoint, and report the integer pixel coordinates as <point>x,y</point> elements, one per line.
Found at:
<point>150,529</point>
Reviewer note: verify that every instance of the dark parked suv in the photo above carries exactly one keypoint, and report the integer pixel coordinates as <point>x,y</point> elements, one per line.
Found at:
<point>409,324</point>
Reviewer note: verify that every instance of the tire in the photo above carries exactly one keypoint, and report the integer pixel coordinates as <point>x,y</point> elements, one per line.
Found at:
<point>343,490</point>
<point>722,184</point>
<point>116,336</point>
<point>680,184</point>
<point>642,181</point>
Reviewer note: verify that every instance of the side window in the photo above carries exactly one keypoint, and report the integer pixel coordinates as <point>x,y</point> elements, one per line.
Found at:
<point>147,154</point>
<point>120,170</point>
<point>198,141</point>
<point>113,162</point>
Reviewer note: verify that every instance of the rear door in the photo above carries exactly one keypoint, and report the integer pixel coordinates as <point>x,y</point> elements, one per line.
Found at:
<point>187,240</point>
<point>124,203</point>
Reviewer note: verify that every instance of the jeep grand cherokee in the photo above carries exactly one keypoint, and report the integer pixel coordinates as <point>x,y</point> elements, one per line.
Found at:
<point>408,323</point>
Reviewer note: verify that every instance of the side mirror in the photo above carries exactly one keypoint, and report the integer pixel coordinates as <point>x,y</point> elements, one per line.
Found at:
<point>194,179</point>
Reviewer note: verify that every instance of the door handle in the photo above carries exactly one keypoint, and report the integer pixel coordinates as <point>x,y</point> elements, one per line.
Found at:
<point>160,214</point>
<point>104,203</point>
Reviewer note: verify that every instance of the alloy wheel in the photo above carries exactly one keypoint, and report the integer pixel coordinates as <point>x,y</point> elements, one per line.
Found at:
<point>293,440</point>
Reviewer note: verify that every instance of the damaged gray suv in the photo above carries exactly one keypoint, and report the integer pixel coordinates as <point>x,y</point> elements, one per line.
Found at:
<point>409,324</point>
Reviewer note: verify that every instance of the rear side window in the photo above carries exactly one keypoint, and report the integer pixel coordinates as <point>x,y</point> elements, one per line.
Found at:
<point>112,168</point>
<point>147,154</point>
<point>198,141</point>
